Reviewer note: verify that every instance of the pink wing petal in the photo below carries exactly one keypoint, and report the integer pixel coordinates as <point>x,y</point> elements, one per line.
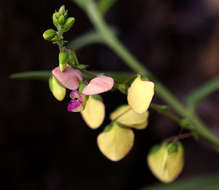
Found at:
<point>69,78</point>
<point>78,74</point>
<point>98,85</point>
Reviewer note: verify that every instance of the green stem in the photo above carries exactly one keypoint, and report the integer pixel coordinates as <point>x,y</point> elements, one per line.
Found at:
<point>111,41</point>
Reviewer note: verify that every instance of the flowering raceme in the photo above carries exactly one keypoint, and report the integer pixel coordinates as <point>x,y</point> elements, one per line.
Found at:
<point>87,102</point>
<point>116,140</point>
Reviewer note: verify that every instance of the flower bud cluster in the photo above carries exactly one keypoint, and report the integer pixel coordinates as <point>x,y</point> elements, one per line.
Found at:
<point>63,23</point>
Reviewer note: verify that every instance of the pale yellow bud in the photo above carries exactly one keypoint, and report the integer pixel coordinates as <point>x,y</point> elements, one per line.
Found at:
<point>115,142</point>
<point>140,94</point>
<point>166,161</point>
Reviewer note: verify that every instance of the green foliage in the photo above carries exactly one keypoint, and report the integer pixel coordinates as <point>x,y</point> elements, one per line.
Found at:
<point>90,37</point>
<point>31,75</point>
<point>105,5</point>
<point>204,91</point>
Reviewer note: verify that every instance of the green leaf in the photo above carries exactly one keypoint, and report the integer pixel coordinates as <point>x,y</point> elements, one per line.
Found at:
<point>200,183</point>
<point>88,38</point>
<point>33,75</point>
<point>105,5</point>
<point>82,3</point>
<point>205,90</point>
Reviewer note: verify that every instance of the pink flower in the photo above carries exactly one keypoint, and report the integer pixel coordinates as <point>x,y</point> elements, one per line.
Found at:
<point>98,85</point>
<point>69,78</point>
<point>75,105</point>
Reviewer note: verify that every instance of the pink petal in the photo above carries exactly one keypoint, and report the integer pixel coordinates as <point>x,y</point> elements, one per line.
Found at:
<point>75,106</point>
<point>75,95</point>
<point>78,74</point>
<point>69,78</point>
<point>98,85</point>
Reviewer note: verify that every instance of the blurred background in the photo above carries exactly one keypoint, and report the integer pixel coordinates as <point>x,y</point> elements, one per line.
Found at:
<point>51,149</point>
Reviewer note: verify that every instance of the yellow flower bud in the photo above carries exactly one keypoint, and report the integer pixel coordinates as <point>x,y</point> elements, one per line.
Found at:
<point>57,89</point>
<point>115,142</point>
<point>128,117</point>
<point>94,112</point>
<point>140,94</point>
<point>166,161</point>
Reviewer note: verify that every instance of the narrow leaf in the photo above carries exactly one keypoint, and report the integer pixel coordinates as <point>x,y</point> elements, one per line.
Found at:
<point>88,38</point>
<point>33,75</point>
<point>105,5</point>
<point>205,90</point>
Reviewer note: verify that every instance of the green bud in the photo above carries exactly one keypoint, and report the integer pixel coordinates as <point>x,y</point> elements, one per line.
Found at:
<point>65,14</point>
<point>57,89</point>
<point>61,20</point>
<point>166,161</point>
<point>55,17</point>
<point>62,10</point>
<point>62,60</point>
<point>49,34</point>
<point>68,24</point>
<point>71,57</point>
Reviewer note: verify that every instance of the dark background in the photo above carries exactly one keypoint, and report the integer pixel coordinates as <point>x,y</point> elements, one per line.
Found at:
<point>49,148</point>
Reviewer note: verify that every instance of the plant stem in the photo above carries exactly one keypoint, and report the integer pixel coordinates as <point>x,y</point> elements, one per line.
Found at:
<point>111,41</point>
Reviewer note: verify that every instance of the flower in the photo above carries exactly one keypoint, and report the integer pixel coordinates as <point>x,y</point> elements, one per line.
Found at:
<point>94,109</point>
<point>57,89</point>
<point>93,112</point>
<point>75,105</point>
<point>69,78</point>
<point>86,100</point>
<point>117,139</point>
<point>98,85</point>
<point>140,94</point>
<point>166,161</point>
<point>115,142</point>
<point>129,118</point>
